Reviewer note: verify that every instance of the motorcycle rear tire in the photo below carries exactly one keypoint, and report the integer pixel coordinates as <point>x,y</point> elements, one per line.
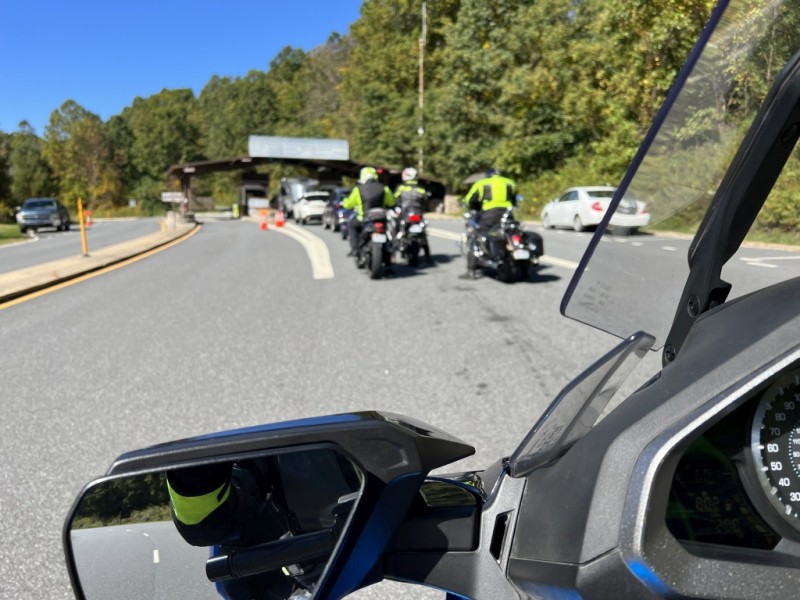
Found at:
<point>376,264</point>
<point>506,272</point>
<point>413,253</point>
<point>523,267</point>
<point>472,263</point>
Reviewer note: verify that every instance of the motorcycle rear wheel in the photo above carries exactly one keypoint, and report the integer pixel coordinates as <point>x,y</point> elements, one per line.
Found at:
<point>376,264</point>
<point>412,254</point>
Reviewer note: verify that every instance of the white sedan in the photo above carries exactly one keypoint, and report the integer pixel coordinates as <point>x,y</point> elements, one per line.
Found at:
<point>582,207</point>
<point>310,206</point>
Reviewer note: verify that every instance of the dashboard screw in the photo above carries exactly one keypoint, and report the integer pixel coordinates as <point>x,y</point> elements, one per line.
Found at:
<point>669,353</point>
<point>693,306</point>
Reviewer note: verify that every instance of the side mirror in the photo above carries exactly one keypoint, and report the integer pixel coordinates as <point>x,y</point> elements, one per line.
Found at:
<point>303,507</point>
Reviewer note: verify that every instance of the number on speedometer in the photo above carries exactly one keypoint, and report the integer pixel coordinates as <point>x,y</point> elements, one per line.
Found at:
<point>775,443</point>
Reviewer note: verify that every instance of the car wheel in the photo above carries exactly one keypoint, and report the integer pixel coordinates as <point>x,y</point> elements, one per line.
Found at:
<point>546,221</point>
<point>23,229</point>
<point>577,225</point>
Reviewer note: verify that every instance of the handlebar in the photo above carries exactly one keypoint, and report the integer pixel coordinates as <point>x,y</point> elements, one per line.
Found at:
<point>263,558</point>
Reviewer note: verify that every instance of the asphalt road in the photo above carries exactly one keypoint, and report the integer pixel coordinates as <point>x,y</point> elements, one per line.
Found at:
<point>231,328</point>
<point>47,244</point>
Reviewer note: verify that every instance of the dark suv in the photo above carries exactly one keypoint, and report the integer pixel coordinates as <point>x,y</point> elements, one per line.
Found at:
<point>42,212</point>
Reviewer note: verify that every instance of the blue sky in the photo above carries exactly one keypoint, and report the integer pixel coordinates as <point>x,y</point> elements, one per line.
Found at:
<point>102,54</point>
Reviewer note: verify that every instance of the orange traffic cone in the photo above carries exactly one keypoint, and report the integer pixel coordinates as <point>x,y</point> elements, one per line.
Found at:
<point>88,219</point>
<point>264,225</point>
<point>279,219</point>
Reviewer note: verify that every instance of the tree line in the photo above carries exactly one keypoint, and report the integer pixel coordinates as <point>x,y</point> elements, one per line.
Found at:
<point>551,92</point>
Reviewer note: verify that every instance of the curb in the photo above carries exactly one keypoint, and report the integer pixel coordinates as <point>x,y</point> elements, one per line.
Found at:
<point>20,283</point>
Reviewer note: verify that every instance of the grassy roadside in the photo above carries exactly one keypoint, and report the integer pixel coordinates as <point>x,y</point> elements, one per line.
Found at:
<point>10,234</point>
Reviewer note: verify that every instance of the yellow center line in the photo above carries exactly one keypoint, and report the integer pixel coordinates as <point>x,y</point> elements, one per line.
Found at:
<point>99,272</point>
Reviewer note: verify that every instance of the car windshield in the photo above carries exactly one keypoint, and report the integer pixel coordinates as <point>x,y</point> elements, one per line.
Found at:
<point>38,204</point>
<point>680,166</point>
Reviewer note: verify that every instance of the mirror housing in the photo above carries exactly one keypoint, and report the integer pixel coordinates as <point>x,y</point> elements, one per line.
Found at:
<point>394,453</point>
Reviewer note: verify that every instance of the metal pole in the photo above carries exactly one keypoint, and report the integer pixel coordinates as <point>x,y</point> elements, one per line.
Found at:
<point>82,228</point>
<point>421,130</point>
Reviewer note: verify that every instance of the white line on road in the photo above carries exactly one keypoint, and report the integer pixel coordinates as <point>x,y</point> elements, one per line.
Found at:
<point>669,248</point>
<point>547,260</point>
<point>316,249</point>
<point>156,557</point>
<point>765,260</point>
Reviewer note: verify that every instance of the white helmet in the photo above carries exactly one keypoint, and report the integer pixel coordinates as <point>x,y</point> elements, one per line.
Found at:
<point>409,173</point>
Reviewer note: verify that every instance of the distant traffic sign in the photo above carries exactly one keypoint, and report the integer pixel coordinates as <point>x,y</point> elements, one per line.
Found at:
<point>173,198</point>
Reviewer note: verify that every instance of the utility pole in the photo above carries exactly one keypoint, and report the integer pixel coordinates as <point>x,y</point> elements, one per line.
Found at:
<point>421,129</point>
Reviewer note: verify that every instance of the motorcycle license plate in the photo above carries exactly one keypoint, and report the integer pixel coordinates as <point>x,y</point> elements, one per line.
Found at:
<point>522,254</point>
<point>415,229</point>
<point>380,238</point>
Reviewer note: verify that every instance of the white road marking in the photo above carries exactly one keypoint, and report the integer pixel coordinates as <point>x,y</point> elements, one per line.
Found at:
<point>316,249</point>
<point>762,262</point>
<point>669,248</point>
<point>547,260</point>
<point>156,557</point>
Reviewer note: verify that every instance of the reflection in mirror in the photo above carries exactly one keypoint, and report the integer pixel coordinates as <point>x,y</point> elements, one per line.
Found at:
<point>263,526</point>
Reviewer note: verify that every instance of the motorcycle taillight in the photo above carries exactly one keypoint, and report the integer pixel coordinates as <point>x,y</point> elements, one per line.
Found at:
<point>414,218</point>
<point>379,227</point>
<point>516,238</point>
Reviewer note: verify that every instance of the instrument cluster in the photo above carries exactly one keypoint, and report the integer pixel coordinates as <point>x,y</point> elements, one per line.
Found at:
<point>738,484</point>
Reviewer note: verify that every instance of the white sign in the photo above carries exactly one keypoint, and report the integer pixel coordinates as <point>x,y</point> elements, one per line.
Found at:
<point>264,146</point>
<point>173,198</point>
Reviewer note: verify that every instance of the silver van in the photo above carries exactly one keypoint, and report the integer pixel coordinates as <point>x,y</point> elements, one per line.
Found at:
<point>291,191</point>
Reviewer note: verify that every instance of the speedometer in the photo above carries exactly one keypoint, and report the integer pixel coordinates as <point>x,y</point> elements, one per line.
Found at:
<point>775,444</point>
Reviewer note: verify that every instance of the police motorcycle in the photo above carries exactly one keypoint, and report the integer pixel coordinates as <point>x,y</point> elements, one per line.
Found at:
<point>509,250</point>
<point>686,487</point>
<point>374,248</point>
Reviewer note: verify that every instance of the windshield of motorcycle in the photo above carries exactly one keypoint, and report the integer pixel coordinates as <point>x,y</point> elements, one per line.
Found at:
<point>619,287</point>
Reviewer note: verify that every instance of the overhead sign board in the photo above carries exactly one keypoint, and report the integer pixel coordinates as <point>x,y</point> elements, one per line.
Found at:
<point>265,146</point>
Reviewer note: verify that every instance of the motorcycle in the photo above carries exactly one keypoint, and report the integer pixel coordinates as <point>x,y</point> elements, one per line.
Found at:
<point>688,487</point>
<point>508,250</point>
<point>411,237</point>
<point>373,250</point>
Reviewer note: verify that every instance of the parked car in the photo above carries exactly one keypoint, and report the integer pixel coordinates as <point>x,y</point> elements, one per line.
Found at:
<point>290,191</point>
<point>310,206</point>
<point>583,207</point>
<point>42,212</point>
<point>335,217</point>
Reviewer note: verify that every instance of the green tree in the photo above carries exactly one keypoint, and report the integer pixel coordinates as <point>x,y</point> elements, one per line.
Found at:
<point>290,84</point>
<point>162,130</point>
<point>232,109</point>
<point>379,88</point>
<point>477,57</point>
<point>79,155</point>
<point>6,210</point>
<point>326,64</point>
<point>30,174</point>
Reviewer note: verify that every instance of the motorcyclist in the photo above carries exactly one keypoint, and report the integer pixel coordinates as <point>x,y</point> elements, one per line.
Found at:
<point>410,196</point>
<point>234,505</point>
<point>368,193</point>
<point>491,197</point>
